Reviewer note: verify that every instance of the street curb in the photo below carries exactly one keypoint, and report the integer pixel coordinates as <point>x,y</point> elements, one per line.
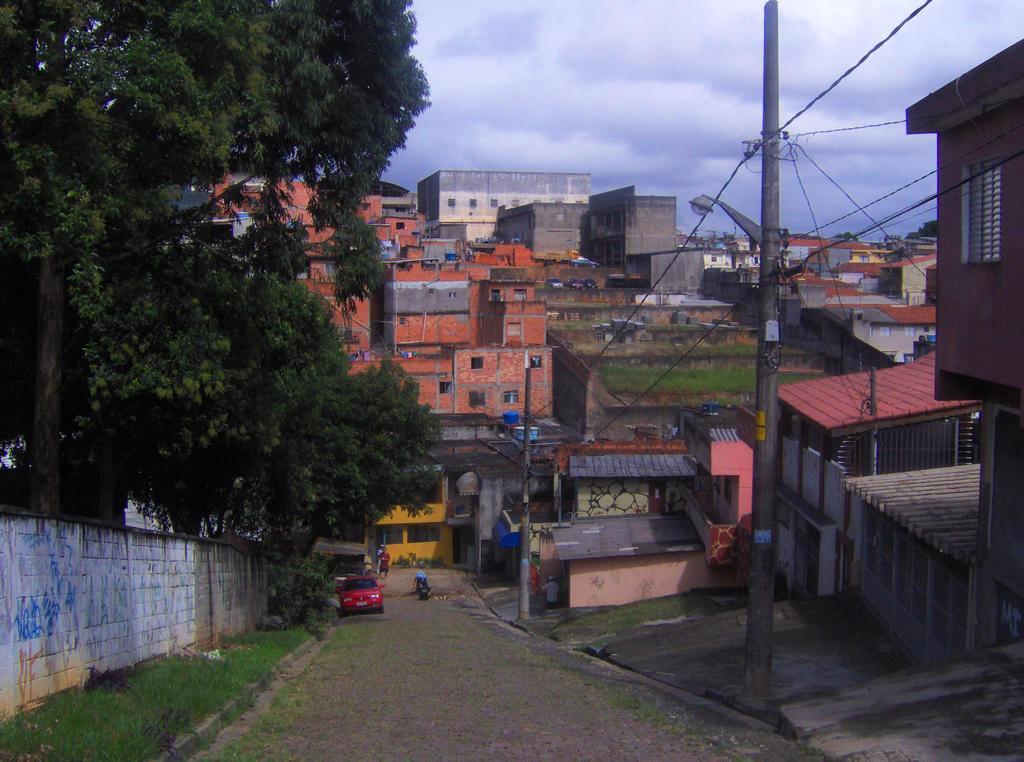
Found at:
<point>762,711</point>
<point>192,741</point>
<point>510,622</point>
<point>759,715</point>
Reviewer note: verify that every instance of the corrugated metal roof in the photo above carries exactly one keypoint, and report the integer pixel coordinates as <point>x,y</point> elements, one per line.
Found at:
<point>839,402</point>
<point>633,465</point>
<point>615,536</point>
<point>938,505</point>
<point>723,435</point>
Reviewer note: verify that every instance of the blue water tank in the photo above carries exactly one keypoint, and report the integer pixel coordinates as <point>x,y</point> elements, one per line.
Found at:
<point>517,433</point>
<point>511,418</point>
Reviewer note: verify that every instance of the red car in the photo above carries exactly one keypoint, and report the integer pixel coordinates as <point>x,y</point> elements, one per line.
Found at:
<point>360,594</point>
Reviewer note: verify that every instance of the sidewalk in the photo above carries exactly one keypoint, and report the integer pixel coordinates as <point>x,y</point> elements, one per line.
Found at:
<point>840,684</point>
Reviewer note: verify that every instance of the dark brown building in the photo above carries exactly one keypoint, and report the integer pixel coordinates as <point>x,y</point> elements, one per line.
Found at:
<point>978,119</point>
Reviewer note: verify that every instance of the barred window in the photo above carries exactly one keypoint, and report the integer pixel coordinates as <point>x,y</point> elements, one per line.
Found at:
<point>982,212</point>
<point>424,533</point>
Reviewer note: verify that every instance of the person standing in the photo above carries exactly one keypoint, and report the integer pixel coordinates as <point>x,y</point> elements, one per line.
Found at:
<point>385,561</point>
<point>550,594</point>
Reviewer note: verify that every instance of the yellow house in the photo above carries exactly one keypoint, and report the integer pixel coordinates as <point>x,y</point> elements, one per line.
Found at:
<point>867,256</point>
<point>426,537</point>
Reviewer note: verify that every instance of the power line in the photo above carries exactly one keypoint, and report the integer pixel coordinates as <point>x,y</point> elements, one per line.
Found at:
<point>677,363</point>
<point>753,150</point>
<point>749,155</point>
<point>845,381</point>
<point>834,182</point>
<point>849,129</point>
<point>928,199</point>
<point>925,176</point>
<point>679,250</point>
<point>853,68</point>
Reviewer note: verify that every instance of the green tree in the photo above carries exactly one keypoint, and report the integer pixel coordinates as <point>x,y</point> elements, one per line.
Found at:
<point>930,229</point>
<point>106,110</point>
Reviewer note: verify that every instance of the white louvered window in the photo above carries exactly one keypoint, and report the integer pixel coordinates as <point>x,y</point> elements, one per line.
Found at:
<point>983,208</point>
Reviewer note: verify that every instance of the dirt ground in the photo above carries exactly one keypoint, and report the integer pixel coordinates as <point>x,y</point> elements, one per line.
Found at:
<point>444,679</point>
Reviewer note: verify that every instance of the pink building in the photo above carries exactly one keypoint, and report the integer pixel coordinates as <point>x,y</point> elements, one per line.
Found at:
<point>622,559</point>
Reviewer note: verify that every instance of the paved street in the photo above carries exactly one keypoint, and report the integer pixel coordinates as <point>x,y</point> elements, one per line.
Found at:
<point>445,679</point>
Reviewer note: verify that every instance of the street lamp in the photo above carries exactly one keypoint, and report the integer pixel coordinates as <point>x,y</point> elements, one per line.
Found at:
<point>705,204</point>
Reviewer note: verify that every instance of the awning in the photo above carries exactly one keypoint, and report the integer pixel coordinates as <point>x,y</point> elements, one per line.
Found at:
<point>503,536</point>
<point>339,547</point>
<point>468,484</point>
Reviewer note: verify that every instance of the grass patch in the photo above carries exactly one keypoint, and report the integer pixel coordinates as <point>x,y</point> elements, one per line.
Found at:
<point>623,700</point>
<point>735,380</point>
<point>140,715</point>
<point>597,628</point>
<point>741,353</point>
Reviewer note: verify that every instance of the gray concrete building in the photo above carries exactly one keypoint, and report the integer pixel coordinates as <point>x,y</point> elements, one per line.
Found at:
<point>464,204</point>
<point>621,225</point>
<point>542,227</point>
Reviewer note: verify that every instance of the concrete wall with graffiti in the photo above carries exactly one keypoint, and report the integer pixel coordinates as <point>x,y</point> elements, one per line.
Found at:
<point>79,595</point>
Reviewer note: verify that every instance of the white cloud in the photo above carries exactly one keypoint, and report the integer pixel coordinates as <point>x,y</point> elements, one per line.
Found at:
<point>660,94</point>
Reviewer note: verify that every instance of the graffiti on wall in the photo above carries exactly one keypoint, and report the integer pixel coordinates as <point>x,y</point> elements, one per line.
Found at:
<point>1011,615</point>
<point>613,497</point>
<point>620,497</point>
<point>49,604</point>
<point>26,661</point>
<point>108,601</point>
<point>73,596</point>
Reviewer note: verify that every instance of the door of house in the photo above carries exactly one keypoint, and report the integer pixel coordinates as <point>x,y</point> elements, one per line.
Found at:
<point>458,549</point>
<point>806,549</point>
<point>656,497</point>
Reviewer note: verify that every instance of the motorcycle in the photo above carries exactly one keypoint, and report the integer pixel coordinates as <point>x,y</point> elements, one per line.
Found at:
<point>422,589</point>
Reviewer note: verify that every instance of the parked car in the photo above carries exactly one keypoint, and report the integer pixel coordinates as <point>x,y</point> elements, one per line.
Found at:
<point>589,283</point>
<point>576,283</point>
<point>554,283</point>
<point>360,594</point>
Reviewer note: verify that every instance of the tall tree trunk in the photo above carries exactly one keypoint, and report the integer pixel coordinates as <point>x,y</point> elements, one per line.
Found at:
<point>44,481</point>
<point>112,499</point>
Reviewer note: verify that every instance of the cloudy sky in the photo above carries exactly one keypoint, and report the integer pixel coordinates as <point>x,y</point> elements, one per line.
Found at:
<point>660,94</point>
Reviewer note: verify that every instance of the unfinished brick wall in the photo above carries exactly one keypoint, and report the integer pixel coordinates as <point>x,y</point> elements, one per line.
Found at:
<point>76,595</point>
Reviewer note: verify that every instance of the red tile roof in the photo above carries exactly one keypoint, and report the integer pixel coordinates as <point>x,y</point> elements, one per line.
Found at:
<point>818,242</point>
<point>917,315</point>
<point>840,402</point>
<point>914,261</point>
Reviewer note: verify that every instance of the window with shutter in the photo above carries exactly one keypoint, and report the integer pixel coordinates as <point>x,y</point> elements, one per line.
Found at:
<point>982,212</point>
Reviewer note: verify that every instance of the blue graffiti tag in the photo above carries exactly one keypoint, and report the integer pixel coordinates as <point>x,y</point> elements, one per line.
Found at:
<point>39,614</point>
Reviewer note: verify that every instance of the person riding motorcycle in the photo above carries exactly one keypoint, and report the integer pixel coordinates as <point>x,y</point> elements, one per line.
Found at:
<point>421,585</point>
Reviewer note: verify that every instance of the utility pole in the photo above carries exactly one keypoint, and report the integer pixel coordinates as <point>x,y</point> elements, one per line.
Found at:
<point>524,524</point>
<point>873,409</point>
<point>758,670</point>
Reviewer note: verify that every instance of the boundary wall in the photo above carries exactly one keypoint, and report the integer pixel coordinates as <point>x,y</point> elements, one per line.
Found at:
<point>79,595</point>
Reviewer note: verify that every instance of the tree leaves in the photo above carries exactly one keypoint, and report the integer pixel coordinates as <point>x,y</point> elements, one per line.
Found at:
<point>198,376</point>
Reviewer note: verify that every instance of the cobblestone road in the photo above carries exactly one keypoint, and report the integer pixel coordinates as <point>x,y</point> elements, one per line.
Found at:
<point>446,680</point>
